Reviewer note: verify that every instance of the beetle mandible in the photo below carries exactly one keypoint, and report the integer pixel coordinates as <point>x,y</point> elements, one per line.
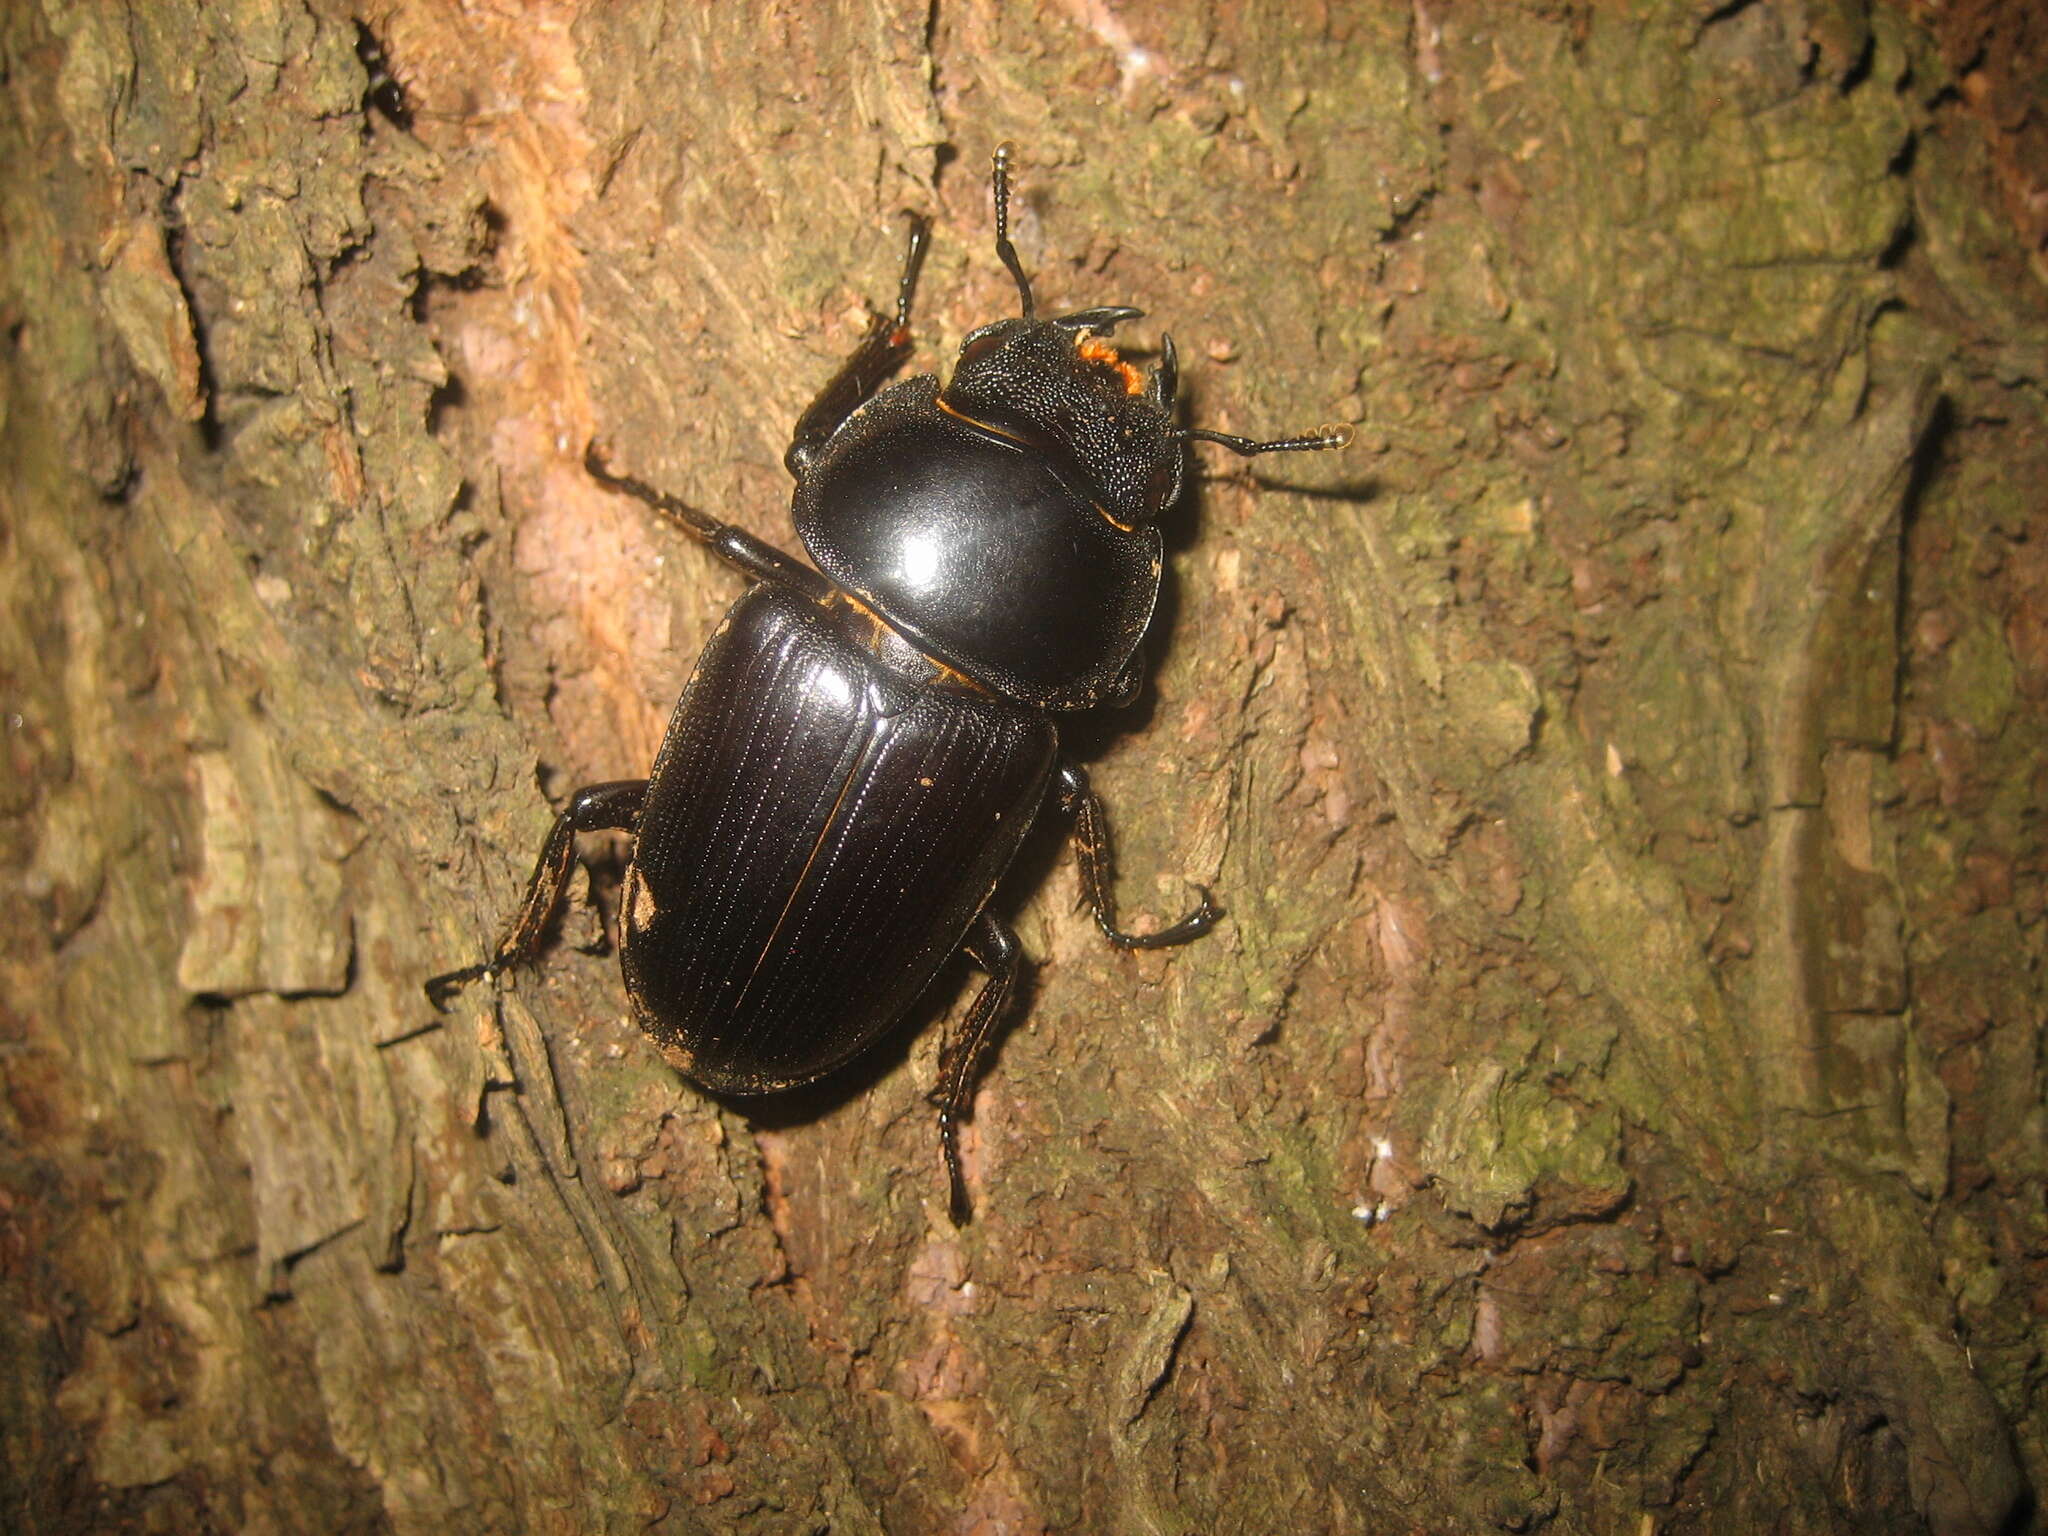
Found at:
<point>867,739</point>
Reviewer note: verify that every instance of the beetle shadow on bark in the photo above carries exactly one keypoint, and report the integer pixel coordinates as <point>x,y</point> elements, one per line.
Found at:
<point>1356,492</point>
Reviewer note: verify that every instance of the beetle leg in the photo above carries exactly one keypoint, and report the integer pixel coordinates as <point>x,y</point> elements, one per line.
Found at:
<point>593,808</point>
<point>755,557</point>
<point>1091,845</point>
<point>880,353</point>
<point>994,948</point>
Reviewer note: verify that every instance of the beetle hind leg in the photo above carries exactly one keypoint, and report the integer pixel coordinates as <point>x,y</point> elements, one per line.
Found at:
<point>994,948</point>
<point>610,807</point>
<point>1098,882</point>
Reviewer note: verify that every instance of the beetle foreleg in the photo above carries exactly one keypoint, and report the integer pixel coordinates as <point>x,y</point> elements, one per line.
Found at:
<point>593,808</point>
<point>880,353</point>
<point>1098,875</point>
<point>994,948</point>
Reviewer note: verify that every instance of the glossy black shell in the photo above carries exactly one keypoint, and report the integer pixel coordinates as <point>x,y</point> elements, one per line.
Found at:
<point>979,550</point>
<point>819,832</point>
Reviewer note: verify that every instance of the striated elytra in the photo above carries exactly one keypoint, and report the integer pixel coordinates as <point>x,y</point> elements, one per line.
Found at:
<point>867,739</point>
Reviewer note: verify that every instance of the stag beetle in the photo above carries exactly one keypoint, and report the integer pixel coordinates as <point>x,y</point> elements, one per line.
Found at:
<point>866,740</point>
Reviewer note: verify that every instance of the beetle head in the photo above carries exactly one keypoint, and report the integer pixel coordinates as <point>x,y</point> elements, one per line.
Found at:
<point>1058,387</point>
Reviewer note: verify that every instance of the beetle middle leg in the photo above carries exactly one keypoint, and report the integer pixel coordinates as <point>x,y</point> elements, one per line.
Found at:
<point>1092,847</point>
<point>993,947</point>
<point>611,807</point>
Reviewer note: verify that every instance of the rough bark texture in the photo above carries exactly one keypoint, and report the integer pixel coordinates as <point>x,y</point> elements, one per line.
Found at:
<point>1615,1101</point>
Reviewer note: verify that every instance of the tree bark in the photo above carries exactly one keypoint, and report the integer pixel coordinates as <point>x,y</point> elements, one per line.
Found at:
<point>1615,1098</point>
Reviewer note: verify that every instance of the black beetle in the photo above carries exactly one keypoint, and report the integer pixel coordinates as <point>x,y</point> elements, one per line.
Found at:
<point>860,752</point>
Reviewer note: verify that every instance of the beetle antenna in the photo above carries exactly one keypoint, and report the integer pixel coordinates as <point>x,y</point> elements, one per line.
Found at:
<point>1335,435</point>
<point>1000,176</point>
